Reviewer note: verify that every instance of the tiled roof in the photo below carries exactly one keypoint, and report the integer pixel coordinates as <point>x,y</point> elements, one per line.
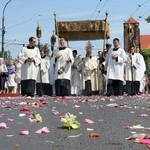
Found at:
<point>145,41</point>
<point>131,20</point>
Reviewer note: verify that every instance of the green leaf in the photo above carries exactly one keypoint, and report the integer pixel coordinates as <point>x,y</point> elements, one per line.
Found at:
<point>75,126</point>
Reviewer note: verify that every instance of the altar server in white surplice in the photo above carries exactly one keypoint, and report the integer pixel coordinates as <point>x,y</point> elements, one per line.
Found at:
<point>43,86</point>
<point>141,70</point>
<point>115,69</point>
<point>30,59</point>
<point>75,75</point>
<point>63,62</point>
<point>131,70</point>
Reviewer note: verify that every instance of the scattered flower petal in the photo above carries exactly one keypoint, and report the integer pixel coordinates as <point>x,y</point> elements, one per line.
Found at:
<point>74,136</point>
<point>35,118</point>
<point>24,132</point>
<point>11,120</point>
<point>80,113</point>
<point>3,125</point>
<point>137,136</point>
<point>88,121</point>
<point>77,106</point>
<point>142,141</point>
<point>55,112</point>
<point>43,130</point>
<point>16,145</point>
<point>24,109</point>
<point>11,135</point>
<point>142,115</point>
<point>112,105</point>
<point>89,129</point>
<point>22,115</point>
<point>94,135</point>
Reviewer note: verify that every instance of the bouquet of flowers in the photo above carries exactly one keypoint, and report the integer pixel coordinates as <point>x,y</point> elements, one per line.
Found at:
<point>69,121</point>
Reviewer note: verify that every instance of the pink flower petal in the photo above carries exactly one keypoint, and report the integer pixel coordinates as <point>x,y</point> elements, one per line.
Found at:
<point>43,130</point>
<point>55,112</point>
<point>127,127</point>
<point>11,120</point>
<point>142,115</point>
<point>24,132</point>
<point>28,113</point>
<point>3,125</point>
<point>39,131</point>
<point>137,136</point>
<point>88,121</point>
<point>144,141</point>
<point>62,116</point>
<point>3,115</point>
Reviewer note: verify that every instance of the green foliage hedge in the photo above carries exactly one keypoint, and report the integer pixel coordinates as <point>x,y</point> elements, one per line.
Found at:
<point>146,55</point>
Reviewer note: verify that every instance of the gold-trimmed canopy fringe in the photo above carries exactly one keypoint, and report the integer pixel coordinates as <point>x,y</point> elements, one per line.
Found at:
<point>83,30</point>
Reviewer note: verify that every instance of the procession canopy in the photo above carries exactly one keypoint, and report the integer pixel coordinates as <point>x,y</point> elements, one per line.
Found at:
<point>83,30</point>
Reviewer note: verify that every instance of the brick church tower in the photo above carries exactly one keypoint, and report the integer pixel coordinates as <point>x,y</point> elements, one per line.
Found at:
<point>131,34</point>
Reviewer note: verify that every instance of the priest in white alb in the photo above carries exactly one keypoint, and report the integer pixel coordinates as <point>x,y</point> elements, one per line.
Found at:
<point>30,59</point>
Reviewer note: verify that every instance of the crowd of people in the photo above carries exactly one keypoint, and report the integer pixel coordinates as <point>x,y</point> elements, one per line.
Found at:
<point>65,73</point>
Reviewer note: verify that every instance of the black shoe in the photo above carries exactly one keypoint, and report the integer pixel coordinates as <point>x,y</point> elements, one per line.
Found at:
<point>108,94</point>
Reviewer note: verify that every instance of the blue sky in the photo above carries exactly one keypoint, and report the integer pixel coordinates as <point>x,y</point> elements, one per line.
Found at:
<point>21,17</point>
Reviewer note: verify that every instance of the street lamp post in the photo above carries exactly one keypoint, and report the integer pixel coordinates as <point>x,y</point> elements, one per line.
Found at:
<point>38,34</point>
<point>3,26</point>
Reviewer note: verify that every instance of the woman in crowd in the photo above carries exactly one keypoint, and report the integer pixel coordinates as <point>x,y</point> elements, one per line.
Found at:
<point>3,75</point>
<point>11,83</point>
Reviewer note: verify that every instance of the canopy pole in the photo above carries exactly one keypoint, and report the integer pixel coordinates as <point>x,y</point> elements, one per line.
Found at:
<point>104,43</point>
<point>56,28</point>
<point>67,42</point>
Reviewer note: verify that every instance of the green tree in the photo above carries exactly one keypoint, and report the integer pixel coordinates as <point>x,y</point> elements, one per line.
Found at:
<point>7,56</point>
<point>46,47</point>
<point>146,55</point>
<point>148,19</point>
